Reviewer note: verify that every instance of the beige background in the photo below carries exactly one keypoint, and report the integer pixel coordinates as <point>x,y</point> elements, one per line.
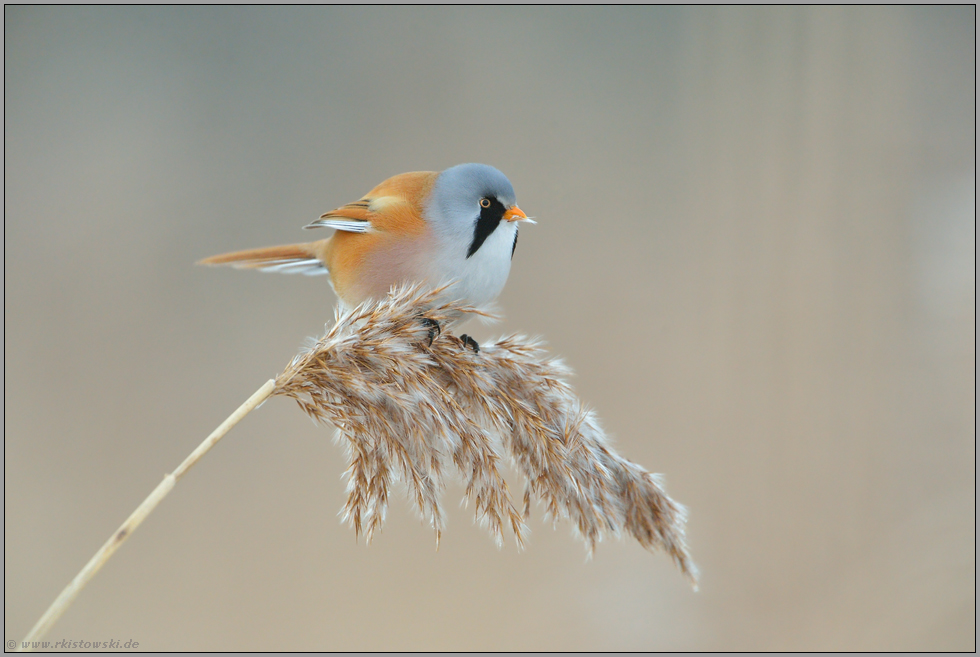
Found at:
<point>756,247</point>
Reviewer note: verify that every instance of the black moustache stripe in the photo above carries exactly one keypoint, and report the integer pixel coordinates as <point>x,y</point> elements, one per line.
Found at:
<point>486,224</point>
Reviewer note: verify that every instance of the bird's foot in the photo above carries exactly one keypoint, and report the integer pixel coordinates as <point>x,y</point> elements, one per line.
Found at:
<point>470,342</point>
<point>434,328</point>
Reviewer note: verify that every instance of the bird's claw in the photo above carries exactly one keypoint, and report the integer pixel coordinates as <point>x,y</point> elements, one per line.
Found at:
<point>470,342</point>
<point>434,329</point>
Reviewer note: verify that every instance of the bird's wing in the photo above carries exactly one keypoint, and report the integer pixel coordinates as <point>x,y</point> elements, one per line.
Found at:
<point>394,207</point>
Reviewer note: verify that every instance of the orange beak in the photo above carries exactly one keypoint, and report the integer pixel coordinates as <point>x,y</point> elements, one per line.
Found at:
<point>515,214</point>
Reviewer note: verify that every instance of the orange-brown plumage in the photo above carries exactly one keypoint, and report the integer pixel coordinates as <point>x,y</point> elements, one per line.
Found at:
<point>394,206</point>
<point>367,264</point>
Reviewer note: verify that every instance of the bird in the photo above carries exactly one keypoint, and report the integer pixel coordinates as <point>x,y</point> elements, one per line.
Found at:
<point>457,227</point>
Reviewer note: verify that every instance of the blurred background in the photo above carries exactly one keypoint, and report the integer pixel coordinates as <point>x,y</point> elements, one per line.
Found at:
<point>756,247</point>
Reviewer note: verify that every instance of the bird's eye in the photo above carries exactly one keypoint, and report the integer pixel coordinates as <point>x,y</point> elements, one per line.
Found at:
<point>484,203</point>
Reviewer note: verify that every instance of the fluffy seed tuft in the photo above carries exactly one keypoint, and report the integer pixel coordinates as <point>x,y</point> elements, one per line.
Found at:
<point>410,410</point>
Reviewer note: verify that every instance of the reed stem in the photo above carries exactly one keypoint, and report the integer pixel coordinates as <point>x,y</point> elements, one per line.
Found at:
<point>68,595</point>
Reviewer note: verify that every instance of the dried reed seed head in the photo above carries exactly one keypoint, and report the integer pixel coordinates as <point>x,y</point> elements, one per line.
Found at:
<point>410,400</point>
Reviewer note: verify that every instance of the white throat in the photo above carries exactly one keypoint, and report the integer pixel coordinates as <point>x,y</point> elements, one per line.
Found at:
<point>481,277</point>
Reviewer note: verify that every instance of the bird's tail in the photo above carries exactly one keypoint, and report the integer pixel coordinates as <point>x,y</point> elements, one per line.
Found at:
<point>286,259</point>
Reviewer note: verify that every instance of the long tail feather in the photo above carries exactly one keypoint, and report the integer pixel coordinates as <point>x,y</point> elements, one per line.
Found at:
<point>286,259</point>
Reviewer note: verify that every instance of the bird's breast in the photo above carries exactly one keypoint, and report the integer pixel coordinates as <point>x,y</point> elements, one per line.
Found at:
<point>366,265</point>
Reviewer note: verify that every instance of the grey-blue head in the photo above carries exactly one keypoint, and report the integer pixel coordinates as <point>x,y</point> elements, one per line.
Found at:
<point>469,202</point>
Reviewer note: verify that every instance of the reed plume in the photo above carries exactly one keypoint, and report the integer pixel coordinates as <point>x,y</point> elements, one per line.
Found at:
<point>414,403</point>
